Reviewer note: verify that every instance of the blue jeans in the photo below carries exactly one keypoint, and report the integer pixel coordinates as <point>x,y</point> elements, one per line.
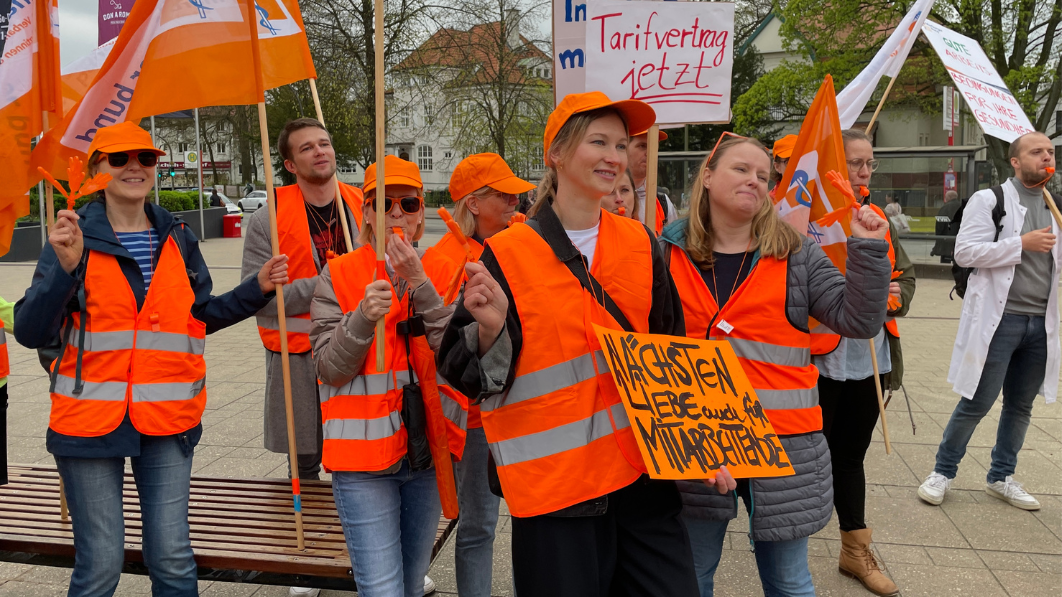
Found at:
<point>474,549</point>
<point>1017,359</point>
<point>389,522</point>
<point>94,493</point>
<point>783,565</point>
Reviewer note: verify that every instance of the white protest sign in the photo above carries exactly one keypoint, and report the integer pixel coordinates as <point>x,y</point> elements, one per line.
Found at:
<point>989,99</point>
<point>677,57</point>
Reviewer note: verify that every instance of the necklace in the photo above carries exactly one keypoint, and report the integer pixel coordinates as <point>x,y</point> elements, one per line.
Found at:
<point>715,283</point>
<point>325,227</point>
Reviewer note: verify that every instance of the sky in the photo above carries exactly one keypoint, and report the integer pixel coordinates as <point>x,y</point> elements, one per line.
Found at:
<point>77,29</point>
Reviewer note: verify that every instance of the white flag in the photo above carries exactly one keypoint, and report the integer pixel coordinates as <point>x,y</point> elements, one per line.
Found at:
<point>887,62</point>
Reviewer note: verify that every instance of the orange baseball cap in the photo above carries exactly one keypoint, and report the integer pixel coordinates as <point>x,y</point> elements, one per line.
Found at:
<point>783,148</point>
<point>124,136</point>
<point>663,135</point>
<point>396,171</point>
<point>638,115</point>
<point>485,170</point>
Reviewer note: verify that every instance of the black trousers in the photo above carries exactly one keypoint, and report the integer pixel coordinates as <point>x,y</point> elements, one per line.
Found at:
<point>639,547</point>
<point>849,413</point>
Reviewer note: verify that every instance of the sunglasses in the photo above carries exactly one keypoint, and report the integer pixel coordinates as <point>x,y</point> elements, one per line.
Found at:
<point>147,159</point>
<point>720,141</point>
<point>409,205</point>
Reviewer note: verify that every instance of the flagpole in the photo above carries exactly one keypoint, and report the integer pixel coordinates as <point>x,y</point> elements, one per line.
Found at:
<point>652,151</point>
<point>156,185</point>
<point>881,104</point>
<point>199,163</point>
<point>267,166</point>
<point>49,204</point>
<point>1051,206</point>
<point>381,147</point>
<point>335,176</point>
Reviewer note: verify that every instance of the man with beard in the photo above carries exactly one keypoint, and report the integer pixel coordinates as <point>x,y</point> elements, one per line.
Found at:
<point>310,233</point>
<point>1008,331</point>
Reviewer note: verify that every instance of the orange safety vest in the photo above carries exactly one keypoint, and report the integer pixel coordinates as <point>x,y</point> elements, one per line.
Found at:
<point>149,362</point>
<point>559,434</point>
<point>293,233</point>
<point>450,247</point>
<point>660,217</point>
<point>5,367</point>
<point>775,356</point>
<point>362,419</point>
<point>823,340</point>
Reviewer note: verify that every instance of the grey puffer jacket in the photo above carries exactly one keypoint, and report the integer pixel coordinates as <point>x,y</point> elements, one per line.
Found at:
<point>794,507</point>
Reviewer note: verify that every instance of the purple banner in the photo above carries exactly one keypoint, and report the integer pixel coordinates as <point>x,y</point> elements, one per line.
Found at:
<point>112,16</point>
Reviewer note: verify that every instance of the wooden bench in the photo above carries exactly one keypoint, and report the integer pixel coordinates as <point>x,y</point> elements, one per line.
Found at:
<point>243,530</point>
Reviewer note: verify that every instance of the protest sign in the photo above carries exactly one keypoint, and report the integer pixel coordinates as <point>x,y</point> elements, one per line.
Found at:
<point>677,57</point>
<point>989,99</point>
<point>691,407</point>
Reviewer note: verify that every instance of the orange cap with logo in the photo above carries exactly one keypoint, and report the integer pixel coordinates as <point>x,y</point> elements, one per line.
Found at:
<point>396,171</point>
<point>638,115</point>
<point>485,170</point>
<point>124,136</point>
<point>783,148</point>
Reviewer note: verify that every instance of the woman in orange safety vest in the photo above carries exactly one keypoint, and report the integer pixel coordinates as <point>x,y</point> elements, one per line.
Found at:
<point>748,278</point>
<point>378,423</point>
<point>587,520</point>
<point>122,285</point>
<point>485,192</point>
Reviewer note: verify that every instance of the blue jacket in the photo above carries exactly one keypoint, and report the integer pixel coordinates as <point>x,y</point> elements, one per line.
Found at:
<point>51,298</point>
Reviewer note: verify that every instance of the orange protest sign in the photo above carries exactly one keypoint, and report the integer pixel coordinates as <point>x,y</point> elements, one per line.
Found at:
<point>691,406</point>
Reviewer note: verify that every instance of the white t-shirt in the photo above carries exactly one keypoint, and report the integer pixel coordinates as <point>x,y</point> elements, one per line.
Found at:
<point>585,241</point>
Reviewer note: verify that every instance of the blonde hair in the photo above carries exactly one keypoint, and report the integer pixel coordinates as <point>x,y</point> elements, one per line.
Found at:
<point>367,236</point>
<point>634,191</point>
<point>772,236</point>
<point>464,217</point>
<point>565,143</point>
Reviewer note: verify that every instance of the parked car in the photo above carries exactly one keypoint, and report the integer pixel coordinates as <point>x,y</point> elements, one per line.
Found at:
<point>230,207</point>
<point>253,201</point>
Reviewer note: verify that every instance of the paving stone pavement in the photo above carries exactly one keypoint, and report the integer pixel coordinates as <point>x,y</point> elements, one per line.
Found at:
<point>971,545</point>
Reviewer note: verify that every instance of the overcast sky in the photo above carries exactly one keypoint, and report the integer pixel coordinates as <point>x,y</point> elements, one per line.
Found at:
<point>77,29</point>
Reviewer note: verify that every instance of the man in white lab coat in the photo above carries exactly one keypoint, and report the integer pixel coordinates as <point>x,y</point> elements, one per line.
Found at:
<point>1008,332</point>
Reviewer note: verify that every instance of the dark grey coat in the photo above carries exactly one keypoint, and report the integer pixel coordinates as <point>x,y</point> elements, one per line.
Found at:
<point>794,507</point>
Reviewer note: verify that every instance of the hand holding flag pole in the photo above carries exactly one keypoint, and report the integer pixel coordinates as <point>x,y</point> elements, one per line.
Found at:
<point>381,148</point>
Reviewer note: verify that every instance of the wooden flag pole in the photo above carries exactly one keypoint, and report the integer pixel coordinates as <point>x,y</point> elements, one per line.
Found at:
<point>381,147</point>
<point>335,177</point>
<point>49,203</point>
<point>881,103</point>
<point>267,166</point>
<point>1051,206</point>
<point>652,151</point>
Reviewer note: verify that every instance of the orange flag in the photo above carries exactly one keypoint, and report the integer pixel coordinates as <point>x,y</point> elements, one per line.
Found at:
<point>809,195</point>
<point>29,88</point>
<point>79,74</point>
<point>176,55</point>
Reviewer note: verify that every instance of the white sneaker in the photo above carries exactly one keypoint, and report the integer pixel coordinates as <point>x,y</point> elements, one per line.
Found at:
<point>429,585</point>
<point>303,592</point>
<point>1010,491</point>
<point>933,488</point>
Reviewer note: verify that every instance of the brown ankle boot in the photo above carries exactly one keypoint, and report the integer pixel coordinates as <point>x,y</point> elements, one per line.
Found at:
<point>858,562</point>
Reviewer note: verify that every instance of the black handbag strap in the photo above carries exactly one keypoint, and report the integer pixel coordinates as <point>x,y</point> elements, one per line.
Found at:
<point>577,266</point>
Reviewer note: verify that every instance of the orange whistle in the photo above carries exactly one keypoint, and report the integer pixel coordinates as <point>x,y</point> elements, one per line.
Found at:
<point>330,255</point>
<point>863,191</point>
<point>622,211</point>
<point>517,219</point>
<point>398,232</point>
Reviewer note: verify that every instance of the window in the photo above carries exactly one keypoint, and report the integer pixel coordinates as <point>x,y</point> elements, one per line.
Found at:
<point>537,163</point>
<point>424,157</point>
<point>429,114</point>
<point>448,154</point>
<point>182,147</point>
<point>403,117</point>
<point>219,147</point>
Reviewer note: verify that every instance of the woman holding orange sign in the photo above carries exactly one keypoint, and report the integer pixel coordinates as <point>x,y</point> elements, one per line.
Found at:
<point>485,192</point>
<point>746,277</point>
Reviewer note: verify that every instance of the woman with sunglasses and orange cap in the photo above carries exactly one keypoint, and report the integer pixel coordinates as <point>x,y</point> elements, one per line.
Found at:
<point>124,287</point>
<point>587,520</point>
<point>748,278</point>
<point>486,194</point>
<point>376,421</point>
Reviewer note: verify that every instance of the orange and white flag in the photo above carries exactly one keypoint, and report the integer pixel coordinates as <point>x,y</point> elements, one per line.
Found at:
<point>180,54</point>
<point>79,74</point>
<point>29,96</point>
<point>809,196</point>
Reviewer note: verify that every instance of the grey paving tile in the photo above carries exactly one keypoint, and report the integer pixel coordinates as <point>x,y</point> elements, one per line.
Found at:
<point>937,581</point>
<point>14,588</point>
<point>921,458</point>
<point>994,525</point>
<point>1005,560</point>
<point>11,571</point>
<point>1047,563</point>
<point>903,554</point>
<point>955,558</point>
<point>1030,584</point>
<point>912,523</point>
<point>1035,472</point>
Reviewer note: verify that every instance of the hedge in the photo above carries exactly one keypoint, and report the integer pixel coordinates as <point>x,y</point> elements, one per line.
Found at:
<point>169,200</point>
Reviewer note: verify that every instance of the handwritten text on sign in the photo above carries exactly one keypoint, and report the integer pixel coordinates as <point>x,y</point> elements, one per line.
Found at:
<point>677,57</point>
<point>987,95</point>
<point>691,407</point>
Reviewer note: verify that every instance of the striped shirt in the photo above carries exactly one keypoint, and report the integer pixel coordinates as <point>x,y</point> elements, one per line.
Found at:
<point>140,245</point>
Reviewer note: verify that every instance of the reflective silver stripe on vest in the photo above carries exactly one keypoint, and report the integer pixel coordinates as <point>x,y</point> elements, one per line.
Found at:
<point>112,391</point>
<point>373,384</point>
<point>100,341</point>
<point>161,392</point>
<point>786,356</point>
<point>786,399</point>
<point>363,429</point>
<point>550,379</point>
<point>3,336</point>
<point>553,441</point>
<point>296,325</point>
<point>453,411</point>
